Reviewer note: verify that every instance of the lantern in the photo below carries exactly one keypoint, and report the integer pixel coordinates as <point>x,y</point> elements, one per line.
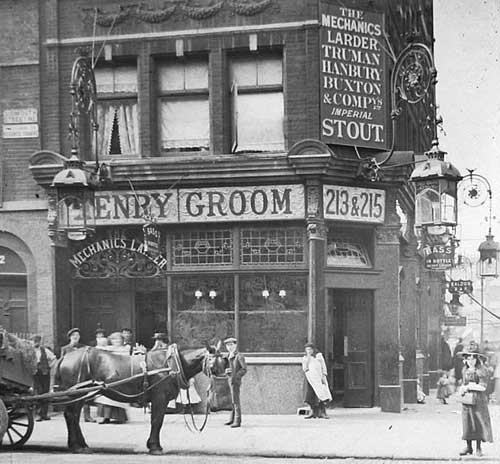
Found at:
<point>436,192</point>
<point>489,252</point>
<point>75,199</point>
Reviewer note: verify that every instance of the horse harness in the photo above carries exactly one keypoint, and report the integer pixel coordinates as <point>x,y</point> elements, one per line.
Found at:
<point>174,368</point>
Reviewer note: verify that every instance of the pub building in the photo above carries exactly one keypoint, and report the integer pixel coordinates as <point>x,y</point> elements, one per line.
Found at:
<point>253,185</point>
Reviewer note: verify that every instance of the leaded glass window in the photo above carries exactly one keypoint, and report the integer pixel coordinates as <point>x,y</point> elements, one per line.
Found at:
<point>200,248</point>
<point>347,253</point>
<point>272,246</point>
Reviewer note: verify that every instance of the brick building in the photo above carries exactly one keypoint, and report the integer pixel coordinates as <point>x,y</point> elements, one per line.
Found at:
<point>243,129</point>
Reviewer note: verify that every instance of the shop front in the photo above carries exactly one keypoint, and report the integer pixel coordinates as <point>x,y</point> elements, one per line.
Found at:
<point>298,258</point>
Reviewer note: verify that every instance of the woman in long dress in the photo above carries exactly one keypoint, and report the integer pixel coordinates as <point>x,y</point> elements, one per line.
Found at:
<point>317,391</point>
<point>107,409</point>
<point>475,417</point>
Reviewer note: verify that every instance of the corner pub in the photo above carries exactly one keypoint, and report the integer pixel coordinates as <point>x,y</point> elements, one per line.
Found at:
<point>213,128</point>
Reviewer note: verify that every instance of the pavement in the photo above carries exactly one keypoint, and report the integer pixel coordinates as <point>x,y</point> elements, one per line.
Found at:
<point>427,432</point>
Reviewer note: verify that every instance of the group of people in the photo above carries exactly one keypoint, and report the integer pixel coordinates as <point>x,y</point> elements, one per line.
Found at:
<point>117,342</point>
<point>122,342</point>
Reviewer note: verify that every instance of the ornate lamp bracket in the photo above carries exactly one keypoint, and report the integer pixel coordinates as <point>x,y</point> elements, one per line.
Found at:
<point>412,79</point>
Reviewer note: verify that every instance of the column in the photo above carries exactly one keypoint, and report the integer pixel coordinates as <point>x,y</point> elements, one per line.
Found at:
<point>408,282</point>
<point>387,311</point>
<point>316,239</point>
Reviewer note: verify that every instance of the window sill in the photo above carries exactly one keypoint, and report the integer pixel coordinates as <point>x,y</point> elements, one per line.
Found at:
<point>353,270</point>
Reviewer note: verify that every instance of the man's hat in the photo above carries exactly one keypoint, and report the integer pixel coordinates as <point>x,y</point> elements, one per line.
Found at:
<point>230,340</point>
<point>72,331</point>
<point>36,338</point>
<point>471,353</point>
<point>100,330</point>
<point>160,336</point>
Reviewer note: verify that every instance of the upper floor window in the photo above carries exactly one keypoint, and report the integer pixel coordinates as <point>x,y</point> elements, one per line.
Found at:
<point>183,105</point>
<point>117,113</point>
<point>257,103</point>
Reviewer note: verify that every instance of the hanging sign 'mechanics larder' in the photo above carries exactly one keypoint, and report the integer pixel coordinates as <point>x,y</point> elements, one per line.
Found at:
<point>353,77</point>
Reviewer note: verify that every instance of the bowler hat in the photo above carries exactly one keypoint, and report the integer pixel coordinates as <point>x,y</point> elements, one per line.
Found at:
<point>36,338</point>
<point>72,331</point>
<point>230,340</point>
<point>160,336</point>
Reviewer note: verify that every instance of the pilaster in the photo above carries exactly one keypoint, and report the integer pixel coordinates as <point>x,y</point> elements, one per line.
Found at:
<point>387,311</point>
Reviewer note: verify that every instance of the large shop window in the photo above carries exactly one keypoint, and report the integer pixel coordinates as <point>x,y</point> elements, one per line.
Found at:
<point>273,312</point>
<point>183,105</point>
<point>257,103</point>
<point>117,113</point>
<point>272,246</point>
<point>203,309</point>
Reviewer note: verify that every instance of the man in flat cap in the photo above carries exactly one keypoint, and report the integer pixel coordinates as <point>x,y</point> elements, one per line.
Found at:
<point>236,370</point>
<point>74,344</point>
<point>74,341</point>
<point>45,359</point>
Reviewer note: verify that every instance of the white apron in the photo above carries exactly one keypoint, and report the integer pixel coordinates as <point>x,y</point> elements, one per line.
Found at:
<point>315,371</point>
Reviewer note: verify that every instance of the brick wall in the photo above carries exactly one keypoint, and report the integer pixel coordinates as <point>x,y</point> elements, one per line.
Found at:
<point>19,89</point>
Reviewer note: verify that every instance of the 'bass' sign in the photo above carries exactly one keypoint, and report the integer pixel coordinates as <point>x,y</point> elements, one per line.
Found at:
<point>352,73</point>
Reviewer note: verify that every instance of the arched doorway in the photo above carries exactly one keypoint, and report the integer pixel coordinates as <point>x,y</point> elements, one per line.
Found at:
<point>13,293</point>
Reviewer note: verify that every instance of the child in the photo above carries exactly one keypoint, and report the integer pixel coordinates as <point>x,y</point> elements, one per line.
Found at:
<point>420,394</point>
<point>443,387</point>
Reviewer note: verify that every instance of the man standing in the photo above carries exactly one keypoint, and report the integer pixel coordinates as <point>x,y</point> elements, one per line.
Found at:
<point>237,369</point>
<point>44,361</point>
<point>74,344</point>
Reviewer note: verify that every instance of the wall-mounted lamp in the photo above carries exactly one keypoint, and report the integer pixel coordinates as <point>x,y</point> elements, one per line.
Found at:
<point>198,294</point>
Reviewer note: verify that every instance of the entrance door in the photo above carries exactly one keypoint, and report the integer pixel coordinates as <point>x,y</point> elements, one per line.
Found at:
<point>151,315</point>
<point>13,305</point>
<point>352,367</point>
<point>112,309</point>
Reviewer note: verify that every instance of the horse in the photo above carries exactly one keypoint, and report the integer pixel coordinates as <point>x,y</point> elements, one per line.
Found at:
<point>96,365</point>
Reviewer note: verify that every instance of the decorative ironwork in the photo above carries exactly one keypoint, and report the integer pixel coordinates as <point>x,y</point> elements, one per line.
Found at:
<point>200,248</point>
<point>117,263</point>
<point>414,73</point>
<point>83,86</point>
<point>272,246</point>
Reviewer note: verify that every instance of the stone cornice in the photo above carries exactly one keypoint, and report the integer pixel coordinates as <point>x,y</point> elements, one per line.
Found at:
<point>209,169</point>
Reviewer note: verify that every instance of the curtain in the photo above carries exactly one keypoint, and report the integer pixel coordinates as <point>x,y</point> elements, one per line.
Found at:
<point>185,123</point>
<point>128,128</point>
<point>260,122</point>
<point>105,115</point>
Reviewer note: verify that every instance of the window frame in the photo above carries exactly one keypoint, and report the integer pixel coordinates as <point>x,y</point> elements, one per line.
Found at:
<point>177,95</point>
<point>110,97</point>
<point>235,89</point>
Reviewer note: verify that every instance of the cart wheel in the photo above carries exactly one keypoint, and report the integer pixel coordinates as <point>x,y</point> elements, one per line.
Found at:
<point>19,428</point>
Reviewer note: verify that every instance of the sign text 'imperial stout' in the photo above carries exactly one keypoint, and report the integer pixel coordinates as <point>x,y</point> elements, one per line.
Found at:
<point>352,73</point>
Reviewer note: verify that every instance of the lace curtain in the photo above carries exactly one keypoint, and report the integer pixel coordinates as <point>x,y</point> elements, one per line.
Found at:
<point>122,116</point>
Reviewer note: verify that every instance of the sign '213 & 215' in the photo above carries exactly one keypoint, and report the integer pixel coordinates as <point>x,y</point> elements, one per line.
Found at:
<point>354,204</point>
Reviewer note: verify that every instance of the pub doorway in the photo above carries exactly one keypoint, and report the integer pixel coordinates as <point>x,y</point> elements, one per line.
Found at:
<point>350,346</point>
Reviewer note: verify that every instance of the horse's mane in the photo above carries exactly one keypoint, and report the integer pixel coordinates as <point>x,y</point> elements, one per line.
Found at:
<point>24,347</point>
